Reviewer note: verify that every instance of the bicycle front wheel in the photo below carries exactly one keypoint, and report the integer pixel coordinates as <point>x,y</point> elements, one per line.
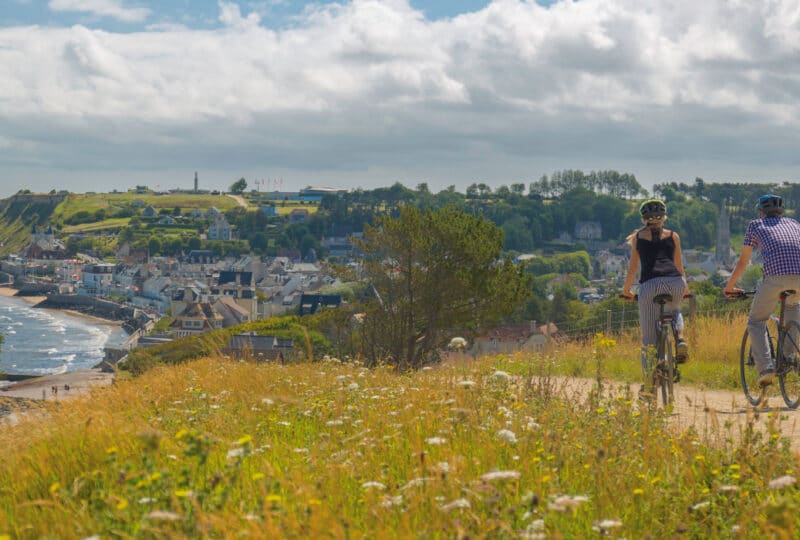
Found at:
<point>664,375</point>
<point>748,372</point>
<point>788,365</point>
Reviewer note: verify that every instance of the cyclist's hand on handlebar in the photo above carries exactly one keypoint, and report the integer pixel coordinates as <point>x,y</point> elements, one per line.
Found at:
<point>733,292</point>
<point>627,296</point>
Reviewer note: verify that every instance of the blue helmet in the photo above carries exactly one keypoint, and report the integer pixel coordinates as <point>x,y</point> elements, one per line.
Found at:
<point>770,204</point>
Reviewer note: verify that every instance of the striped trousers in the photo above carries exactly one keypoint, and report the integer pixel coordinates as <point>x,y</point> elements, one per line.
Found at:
<point>649,310</point>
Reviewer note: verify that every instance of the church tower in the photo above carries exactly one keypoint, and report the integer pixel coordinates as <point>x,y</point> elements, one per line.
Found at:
<point>195,182</point>
<point>722,253</point>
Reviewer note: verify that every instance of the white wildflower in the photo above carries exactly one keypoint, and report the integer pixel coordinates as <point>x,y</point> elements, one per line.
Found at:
<point>700,505</point>
<point>782,482</point>
<point>284,423</point>
<point>416,482</point>
<point>563,503</point>
<point>507,435</point>
<point>427,368</point>
<point>300,450</point>
<point>728,489</point>
<point>442,467</point>
<point>163,515</point>
<point>341,378</point>
<point>235,453</point>
<point>435,441</point>
<point>605,525</point>
<point>389,501</point>
<point>500,475</point>
<point>372,485</point>
<point>456,504</point>
<point>267,401</point>
<point>534,531</point>
<point>336,422</point>
<point>353,386</point>
<point>147,500</point>
<point>500,377</point>
<point>467,384</point>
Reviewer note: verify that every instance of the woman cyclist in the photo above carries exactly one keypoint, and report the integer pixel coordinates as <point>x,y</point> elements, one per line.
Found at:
<point>778,239</point>
<point>658,252</point>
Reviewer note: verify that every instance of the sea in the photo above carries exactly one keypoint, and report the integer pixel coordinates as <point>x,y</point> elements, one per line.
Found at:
<point>46,341</point>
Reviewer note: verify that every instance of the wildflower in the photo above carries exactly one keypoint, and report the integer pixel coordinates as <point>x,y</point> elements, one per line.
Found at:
<point>782,482</point>
<point>163,515</point>
<point>267,401</point>
<point>336,422</point>
<point>531,424</point>
<point>507,436</point>
<point>442,467</point>
<point>273,498</point>
<point>416,482</point>
<point>435,441</point>
<point>500,377</point>
<point>728,489</point>
<point>184,493</point>
<point>146,500</point>
<point>244,440</point>
<point>111,450</point>
<point>372,485</point>
<point>500,475</point>
<point>392,501</point>
<point>605,525</point>
<point>700,506</point>
<point>300,450</point>
<point>235,453</point>
<point>122,504</point>
<point>467,384</point>
<point>353,386</point>
<point>456,504</point>
<point>563,503</point>
<point>54,487</point>
<point>258,476</point>
<point>534,531</point>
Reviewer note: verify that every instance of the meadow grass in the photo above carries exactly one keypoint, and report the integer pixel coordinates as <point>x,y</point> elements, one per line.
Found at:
<point>111,223</point>
<point>714,353</point>
<point>215,448</point>
<point>75,203</point>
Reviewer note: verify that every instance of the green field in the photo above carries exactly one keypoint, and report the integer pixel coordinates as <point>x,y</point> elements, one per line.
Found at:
<point>113,223</point>
<point>110,202</point>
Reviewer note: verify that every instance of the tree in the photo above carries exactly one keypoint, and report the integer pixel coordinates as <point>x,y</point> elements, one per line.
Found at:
<point>432,273</point>
<point>239,186</point>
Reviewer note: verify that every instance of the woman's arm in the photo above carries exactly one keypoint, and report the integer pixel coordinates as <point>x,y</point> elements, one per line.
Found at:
<point>632,268</point>
<point>678,255</point>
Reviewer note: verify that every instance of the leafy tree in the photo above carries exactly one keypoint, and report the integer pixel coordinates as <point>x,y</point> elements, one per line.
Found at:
<point>433,273</point>
<point>239,186</point>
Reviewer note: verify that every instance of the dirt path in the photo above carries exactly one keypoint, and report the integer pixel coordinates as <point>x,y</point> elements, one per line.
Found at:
<point>239,200</point>
<point>719,415</point>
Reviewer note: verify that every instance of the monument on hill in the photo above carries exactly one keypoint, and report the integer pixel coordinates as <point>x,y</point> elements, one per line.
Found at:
<point>722,251</point>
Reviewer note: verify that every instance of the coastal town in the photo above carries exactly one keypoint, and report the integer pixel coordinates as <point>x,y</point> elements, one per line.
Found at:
<point>201,286</point>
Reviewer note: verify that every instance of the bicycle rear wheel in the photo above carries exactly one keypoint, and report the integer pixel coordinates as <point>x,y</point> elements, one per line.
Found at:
<point>668,367</point>
<point>788,366</point>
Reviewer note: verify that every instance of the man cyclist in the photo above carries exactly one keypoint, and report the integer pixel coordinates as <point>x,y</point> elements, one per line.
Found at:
<point>658,251</point>
<point>778,239</point>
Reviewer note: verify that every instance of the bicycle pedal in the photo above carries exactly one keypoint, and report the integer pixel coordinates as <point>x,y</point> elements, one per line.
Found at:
<point>676,376</point>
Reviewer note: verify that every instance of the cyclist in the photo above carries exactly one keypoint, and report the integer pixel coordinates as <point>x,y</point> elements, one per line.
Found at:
<point>778,239</point>
<point>658,251</point>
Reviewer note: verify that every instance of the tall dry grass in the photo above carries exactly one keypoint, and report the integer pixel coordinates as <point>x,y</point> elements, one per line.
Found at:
<point>214,448</point>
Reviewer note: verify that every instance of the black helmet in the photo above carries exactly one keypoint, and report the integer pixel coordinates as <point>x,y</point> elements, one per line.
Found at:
<point>652,209</point>
<point>770,204</point>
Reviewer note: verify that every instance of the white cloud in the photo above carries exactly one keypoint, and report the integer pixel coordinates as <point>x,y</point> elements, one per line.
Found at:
<point>102,8</point>
<point>370,89</point>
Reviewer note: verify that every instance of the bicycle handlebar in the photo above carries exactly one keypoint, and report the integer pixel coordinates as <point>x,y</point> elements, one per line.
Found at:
<point>739,295</point>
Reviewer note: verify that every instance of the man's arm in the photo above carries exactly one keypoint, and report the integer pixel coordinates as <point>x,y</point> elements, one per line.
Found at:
<point>741,266</point>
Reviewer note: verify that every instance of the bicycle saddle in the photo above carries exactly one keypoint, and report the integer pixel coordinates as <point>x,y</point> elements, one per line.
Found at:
<point>662,298</point>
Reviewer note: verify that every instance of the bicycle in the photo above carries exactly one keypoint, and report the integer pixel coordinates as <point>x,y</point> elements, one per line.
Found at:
<point>782,336</point>
<point>662,369</point>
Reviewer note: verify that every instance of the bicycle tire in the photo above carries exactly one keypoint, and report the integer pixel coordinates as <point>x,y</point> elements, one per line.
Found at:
<point>748,372</point>
<point>668,375</point>
<point>788,367</point>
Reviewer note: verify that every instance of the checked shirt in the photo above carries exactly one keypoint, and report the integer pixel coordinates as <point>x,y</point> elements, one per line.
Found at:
<point>778,240</point>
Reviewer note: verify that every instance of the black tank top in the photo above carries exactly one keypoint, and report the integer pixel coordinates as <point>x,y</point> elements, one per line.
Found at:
<point>657,258</point>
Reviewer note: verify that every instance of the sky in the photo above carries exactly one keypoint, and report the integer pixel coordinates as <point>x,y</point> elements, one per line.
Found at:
<point>97,95</point>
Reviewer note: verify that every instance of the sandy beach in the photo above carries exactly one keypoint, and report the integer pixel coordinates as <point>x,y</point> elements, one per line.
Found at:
<point>78,382</point>
<point>33,300</point>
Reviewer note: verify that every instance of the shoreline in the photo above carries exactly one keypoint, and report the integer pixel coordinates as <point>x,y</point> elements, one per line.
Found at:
<point>35,300</point>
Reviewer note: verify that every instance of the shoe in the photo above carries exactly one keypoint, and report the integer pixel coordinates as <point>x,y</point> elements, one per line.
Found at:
<point>682,352</point>
<point>645,395</point>
<point>766,377</point>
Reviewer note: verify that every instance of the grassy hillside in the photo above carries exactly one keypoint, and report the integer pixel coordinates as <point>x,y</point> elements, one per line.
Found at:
<point>220,449</point>
<point>112,203</point>
<point>18,214</point>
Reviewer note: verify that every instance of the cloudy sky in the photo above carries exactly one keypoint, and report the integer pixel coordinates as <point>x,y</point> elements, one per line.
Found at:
<point>104,94</point>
